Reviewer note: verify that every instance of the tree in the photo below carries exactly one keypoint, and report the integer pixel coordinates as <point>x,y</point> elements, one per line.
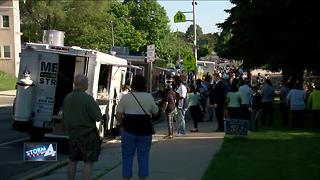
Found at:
<point>273,34</point>
<point>95,24</point>
<point>37,16</point>
<point>189,36</point>
<point>150,18</point>
<point>91,28</point>
<point>174,47</point>
<point>125,33</point>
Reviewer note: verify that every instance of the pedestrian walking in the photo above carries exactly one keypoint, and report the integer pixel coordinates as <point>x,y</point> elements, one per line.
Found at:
<point>169,101</point>
<point>80,114</point>
<point>133,113</point>
<point>181,95</point>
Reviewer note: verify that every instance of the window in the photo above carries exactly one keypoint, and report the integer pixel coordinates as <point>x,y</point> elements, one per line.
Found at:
<point>5,21</point>
<point>6,52</point>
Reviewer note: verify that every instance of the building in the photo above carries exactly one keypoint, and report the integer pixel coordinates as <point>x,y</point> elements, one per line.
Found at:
<point>10,40</point>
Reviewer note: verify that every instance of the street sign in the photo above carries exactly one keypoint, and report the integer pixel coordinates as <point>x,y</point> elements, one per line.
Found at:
<point>150,53</point>
<point>189,62</point>
<point>179,17</point>
<point>190,67</point>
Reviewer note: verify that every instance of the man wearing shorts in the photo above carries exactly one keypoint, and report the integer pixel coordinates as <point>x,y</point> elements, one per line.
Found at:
<point>80,113</point>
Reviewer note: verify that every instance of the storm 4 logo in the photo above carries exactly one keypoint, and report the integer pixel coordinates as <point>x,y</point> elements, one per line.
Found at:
<point>40,151</point>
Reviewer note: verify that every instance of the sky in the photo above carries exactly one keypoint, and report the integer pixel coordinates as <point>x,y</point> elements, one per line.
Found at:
<point>208,13</point>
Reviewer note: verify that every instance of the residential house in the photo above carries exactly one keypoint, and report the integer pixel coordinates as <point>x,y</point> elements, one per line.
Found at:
<point>10,40</point>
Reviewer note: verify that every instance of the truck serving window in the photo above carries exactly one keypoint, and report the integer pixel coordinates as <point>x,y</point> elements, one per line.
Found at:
<point>104,84</point>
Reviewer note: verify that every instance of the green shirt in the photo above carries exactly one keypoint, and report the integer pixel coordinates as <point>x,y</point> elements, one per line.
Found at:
<point>193,99</point>
<point>234,99</point>
<point>313,102</point>
<point>80,113</point>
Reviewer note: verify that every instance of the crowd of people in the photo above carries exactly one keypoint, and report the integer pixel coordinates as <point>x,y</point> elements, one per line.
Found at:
<point>213,98</point>
<point>232,95</point>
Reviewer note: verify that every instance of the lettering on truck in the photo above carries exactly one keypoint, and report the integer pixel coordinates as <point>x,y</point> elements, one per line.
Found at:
<point>48,73</point>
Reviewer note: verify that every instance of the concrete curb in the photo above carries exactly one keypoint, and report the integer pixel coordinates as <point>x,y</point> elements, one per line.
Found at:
<point>8,93</point>
<point>2,94</point>
<point>6,105</point>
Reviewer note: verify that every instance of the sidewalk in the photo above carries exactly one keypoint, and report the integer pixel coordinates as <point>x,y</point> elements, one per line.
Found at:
<point>8,93</point>
<point>180,158</point>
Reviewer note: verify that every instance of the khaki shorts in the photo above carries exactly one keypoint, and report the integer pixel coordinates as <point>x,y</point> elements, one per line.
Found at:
<point>86,148</point>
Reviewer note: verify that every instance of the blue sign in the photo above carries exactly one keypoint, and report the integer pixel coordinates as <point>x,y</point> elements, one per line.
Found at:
<point>40,151</point>
<point>236,127</point>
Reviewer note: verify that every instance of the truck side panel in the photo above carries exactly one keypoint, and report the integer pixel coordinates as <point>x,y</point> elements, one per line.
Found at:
<point>48,65</point>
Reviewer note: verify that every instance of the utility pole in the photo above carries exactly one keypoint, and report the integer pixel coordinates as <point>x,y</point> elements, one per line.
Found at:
<point>112,33</point>
<point>179,58</point>
<point>195,36</point>
<point>180,17</point>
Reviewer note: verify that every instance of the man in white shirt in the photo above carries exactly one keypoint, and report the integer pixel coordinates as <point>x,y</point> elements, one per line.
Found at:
<point>181,91</point>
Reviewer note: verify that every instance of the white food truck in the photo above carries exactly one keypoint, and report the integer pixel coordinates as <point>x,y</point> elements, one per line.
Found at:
<point>46,77</point>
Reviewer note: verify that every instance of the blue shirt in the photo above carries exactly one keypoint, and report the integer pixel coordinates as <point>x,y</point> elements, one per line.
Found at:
<point>296,99</point>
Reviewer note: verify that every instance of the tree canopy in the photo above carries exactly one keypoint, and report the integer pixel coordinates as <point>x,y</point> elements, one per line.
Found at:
<point>189,36</point>
<point>273,34</point>
<point>96,24</point>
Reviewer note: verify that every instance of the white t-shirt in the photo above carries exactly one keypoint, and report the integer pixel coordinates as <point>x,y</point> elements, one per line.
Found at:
<point>182,91</point>
<point>129,105</point>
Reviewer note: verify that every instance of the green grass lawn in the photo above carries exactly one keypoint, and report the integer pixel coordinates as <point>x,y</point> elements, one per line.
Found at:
<point>269,154</point>
<point>7,82</point>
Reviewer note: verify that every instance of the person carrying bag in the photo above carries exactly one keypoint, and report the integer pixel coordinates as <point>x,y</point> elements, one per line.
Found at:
<point>133,113</point>
<point>143,127</point>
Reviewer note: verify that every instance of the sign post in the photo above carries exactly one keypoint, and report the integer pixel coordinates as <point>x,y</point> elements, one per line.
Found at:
<point>150,58</point>
<point>180,17</point>
<point>150,53</point>
<point>189,62</point>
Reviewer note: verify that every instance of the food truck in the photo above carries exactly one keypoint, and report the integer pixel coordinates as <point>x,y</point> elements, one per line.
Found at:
<point>46,76</point>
